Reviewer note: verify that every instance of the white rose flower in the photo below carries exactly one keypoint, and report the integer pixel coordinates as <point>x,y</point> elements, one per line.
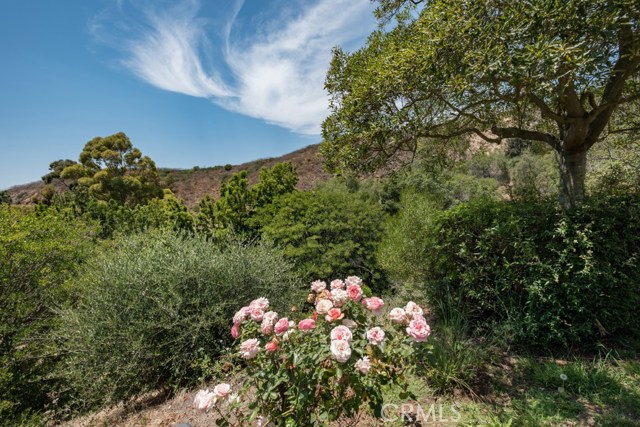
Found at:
<point>340,350</point>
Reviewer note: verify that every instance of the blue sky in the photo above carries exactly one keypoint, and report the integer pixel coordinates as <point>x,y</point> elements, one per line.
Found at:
<point>190,82</point>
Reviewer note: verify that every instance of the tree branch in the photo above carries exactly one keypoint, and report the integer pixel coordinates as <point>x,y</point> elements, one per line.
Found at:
<point>546,110</point>
<point>462,131</point>
<point>628,61</point>
<point>529,135</point>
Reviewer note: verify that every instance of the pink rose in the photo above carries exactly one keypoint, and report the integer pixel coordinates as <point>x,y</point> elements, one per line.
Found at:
<point>256,314</point>
<point>235,331</point>
<point>419,317</point>
<point>363,365</point>
<point>418,330</point>
<point>334,314</point>
<point>340,350</point>
<point>249,348</point>
<point>271,346</point>
<point>222,390</point>
<point>341,333</point>
<point>268,320</point>
<point>306,325</point>
<point>339,296</point>
<point>281,326</point>
<point>204,399</point>
<point>323,306</point>
<point>242,315</point>
<point>354,292</point>
<point>261,303</point>
<point>318,286</point>
<point>413,309</point>
<point>353,280</point>
<point>375,336</point>
<point>398,315</point>
<point>337,284</point>
<point>374,304</point>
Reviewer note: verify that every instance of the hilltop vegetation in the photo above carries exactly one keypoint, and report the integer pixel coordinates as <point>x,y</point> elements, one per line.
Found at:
<point>191,185</point>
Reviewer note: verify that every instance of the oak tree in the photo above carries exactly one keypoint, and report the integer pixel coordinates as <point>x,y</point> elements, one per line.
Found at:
<point>538,70</point>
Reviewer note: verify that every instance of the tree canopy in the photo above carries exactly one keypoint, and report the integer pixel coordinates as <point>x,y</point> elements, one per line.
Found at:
<point>113,169</point>
<point>538,70</point>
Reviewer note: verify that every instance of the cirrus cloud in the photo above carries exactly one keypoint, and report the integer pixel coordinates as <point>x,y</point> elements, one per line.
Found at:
<point>274,73</point>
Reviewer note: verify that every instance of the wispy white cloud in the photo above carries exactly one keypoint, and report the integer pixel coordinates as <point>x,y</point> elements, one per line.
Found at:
<point>277,76</point>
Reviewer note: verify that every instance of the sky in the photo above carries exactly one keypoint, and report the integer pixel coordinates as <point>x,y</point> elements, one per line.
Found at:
<point>192,83</point>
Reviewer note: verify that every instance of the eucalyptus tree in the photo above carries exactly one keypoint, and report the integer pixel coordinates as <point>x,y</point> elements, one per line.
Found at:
<point>113,169</point>
<point>538,70</point>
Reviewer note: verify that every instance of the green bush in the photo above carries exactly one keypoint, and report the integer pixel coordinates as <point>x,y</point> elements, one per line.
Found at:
<point>38,253</point>
<point>552,278</point>
<point>327,234</point>
<point>534,175</point>
<point>150,308</point>
<point>404,247</point>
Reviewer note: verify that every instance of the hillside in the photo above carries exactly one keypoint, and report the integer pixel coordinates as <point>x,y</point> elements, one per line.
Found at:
<point>191,185</point>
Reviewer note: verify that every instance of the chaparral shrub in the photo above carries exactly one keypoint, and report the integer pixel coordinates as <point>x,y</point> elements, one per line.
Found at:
<point>149,309</point>
<point>316,367</point>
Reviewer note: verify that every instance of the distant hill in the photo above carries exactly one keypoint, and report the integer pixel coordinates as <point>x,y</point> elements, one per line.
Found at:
<point>191,185</point>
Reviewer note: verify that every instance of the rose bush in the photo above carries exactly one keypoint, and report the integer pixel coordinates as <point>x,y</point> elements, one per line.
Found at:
<point>333,362</point>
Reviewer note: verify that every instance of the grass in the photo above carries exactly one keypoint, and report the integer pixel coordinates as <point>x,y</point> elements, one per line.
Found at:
<point>528,392</point>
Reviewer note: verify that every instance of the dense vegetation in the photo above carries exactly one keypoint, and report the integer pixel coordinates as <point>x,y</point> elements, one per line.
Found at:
<point>114,298</point>
<point>152,307</point>
<point>39,253</point>
<point>113,287</point>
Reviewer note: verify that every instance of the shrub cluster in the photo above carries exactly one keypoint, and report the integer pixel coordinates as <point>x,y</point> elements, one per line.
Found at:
<point>151,307</point>
<point>327,234</point>
<point>38,254</point>
<point>552,278</point>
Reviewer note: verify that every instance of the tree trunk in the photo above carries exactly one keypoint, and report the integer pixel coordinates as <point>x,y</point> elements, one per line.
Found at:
<point>573,167</point>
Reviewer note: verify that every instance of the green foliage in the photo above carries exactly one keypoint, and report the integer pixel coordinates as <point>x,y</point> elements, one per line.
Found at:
<point>113,218</point>
<point>549,277</point>
<point>534,176</point>
<point>494,70</point>
<point>168,212</point>
<point>5,198</point>
<point>38,253</point>
<point>150,307</point>
<point>205,222</point>
<point>56,169</point>
<point>326,233</point>
<point>405,244</point>
<point>112,169</point>
<point>485,164</point>
<point>232,208</point>
<point>276,181</point>
<point>455,357</point>
<point>615,162</point>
